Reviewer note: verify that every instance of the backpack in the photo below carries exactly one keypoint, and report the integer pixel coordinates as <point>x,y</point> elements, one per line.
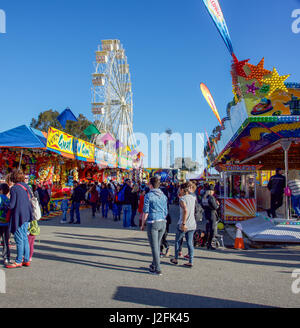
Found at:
<point>4,211</point>
<point>34,228</point>
<point>121,195</point>
<point>36,210</point>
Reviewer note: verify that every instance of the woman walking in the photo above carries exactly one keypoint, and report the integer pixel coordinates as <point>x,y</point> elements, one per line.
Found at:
<point>186,225</point>
<point>155,213</point>
<point>210,206</point>
<point>21,216</point>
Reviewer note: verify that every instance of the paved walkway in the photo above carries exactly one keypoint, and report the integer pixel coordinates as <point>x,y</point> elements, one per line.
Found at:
<point>101,264</point>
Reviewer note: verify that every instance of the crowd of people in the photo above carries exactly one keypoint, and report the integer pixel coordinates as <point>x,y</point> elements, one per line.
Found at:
<point>149,201</point>
<point>125,200</point>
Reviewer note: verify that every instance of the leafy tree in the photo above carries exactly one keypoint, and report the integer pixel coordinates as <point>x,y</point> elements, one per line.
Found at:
<point>49,118</point>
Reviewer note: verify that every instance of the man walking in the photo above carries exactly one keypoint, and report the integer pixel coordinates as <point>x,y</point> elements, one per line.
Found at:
<point>127,209</point>
<point>155,213</point>
<point>77,197</point>
<point>276,185</point>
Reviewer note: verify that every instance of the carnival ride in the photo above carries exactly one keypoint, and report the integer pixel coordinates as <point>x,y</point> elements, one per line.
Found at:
<point>112,105</point>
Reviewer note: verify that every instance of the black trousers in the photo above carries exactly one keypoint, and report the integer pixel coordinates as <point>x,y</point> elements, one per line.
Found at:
<point>94,207</point>
<point>4,233</point>
<point>276,202</point>
<point>211,230</point>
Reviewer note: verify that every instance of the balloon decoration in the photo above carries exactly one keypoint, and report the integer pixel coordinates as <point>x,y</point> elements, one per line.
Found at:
<point>207,95</point>
<point>276,82</point>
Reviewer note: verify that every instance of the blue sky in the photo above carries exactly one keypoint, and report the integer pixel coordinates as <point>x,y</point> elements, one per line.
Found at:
<point>47,54</point>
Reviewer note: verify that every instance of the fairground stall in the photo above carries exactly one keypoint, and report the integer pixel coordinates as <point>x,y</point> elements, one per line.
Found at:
<point>56,159</point>
<point>238,192</point>
<point>262,128</point>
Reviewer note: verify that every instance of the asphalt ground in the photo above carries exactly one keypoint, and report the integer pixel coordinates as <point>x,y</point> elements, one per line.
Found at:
<point>100,264</point>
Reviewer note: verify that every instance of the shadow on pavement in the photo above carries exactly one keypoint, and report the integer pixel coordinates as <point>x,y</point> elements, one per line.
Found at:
<point>97,265</point>
<point>155,297</point>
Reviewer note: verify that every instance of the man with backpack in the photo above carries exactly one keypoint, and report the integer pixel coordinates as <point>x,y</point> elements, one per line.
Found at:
<point>125,198</point>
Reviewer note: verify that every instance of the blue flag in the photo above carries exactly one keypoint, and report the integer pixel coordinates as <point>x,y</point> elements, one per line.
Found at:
<point>65,116</point>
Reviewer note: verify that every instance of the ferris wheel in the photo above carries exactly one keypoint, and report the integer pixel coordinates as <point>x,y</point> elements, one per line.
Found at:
<point>112,94</point>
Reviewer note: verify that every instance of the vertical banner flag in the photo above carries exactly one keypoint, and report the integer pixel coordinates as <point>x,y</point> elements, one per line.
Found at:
<point>214,9</point>
<point>208,139</point>
<point>207,95</point>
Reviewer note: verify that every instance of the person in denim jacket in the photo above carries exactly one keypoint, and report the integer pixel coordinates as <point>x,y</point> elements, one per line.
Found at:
<point>155,212</point>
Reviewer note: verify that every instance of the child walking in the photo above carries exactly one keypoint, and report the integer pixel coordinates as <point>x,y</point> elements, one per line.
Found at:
<point>64,207</point>
<point>4,222</point>
<point>33,231</point>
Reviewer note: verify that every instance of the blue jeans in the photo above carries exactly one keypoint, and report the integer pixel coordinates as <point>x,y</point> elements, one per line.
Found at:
<point>104,209</point>
<point>65,216</point>
<point>155,232</point>
<point>296,204</point>
<point>127,216</point>
<point>21,240</point>
<point>75,207</point>
<point>189,235</point>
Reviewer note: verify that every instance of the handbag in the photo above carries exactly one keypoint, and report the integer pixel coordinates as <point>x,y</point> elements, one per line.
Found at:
<point>36,210</point>
<point>287,191</point>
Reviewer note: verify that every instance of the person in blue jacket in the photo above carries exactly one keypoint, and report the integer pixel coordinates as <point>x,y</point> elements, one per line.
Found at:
<point>155,213</point>
<point>21,216</point>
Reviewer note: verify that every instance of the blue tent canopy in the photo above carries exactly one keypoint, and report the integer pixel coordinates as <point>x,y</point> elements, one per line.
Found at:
<point>22,137</point>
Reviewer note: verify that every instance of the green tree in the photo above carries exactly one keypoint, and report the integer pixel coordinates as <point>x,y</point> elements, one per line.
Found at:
<point>49,118</point>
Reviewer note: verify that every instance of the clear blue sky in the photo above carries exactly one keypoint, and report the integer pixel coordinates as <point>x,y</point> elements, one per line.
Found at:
<point>47,54</point>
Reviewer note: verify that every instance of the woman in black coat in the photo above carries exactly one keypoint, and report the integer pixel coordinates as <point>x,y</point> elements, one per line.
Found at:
<point>21,216</point>
<point>210,206</point>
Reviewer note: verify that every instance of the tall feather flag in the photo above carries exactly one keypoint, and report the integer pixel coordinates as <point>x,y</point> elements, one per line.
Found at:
<point>215,12</point>
<point>66,115</point>
<point>207,139</point>
<point>207,95</point>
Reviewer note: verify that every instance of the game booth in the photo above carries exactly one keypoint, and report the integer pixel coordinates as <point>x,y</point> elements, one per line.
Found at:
<point>56,159</point>
<point>238,192</point>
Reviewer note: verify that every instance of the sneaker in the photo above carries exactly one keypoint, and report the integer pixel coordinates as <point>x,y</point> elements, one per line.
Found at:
<point>155,272</point>
<point>13,265</point>
<point>151,267</point>
<point>6,262</point>
<point>186,257</point>
<point>63,222</point>
<point>27,264</point>
<point>70,222</point>
<point>188,265</point>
